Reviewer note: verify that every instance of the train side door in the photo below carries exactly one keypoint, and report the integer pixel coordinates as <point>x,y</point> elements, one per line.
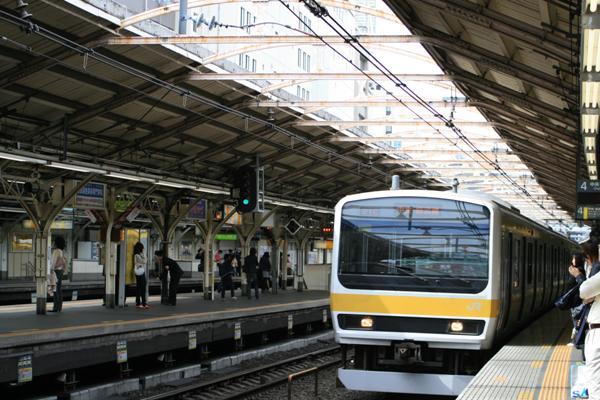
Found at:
<point>527,275</point>
<point>506,296</point>
<point>518,286</point>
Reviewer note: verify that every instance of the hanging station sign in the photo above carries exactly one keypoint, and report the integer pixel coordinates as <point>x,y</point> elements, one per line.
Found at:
<point>588,200</point>
<point>198,211</point>
<point>91,196</point>
<point>226,236</point>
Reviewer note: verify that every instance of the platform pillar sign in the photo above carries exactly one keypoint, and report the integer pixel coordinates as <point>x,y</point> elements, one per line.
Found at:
<point>588,200</point>
<point>237,331</point>
<point>237,335</point>
<point>24,369</point>
<point>121,351</point>
<point>192,344</point>
<point>290,324</point>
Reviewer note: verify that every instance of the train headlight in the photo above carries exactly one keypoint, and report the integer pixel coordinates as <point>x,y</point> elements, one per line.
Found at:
<point>456,326</point>
<point>366,322</point>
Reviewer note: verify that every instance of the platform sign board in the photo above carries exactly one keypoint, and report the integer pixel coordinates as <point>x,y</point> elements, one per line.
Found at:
<point>192,344</point>
<point>198,211</point>
<point>133,214</point>
<point>324,316</point>
<point>226,237</point>
<point>293,226</point>
<point>24,369</point>
<point>588,200</point>
<point>122,204</point>
<point>121,351</point>
<point>91,196</point>
<point>237,331</point>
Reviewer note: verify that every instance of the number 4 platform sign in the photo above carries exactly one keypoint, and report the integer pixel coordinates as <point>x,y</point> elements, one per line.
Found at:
<point>588,200</point>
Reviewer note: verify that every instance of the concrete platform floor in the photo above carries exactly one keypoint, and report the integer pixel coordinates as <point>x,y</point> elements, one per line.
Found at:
<point>22,327</point>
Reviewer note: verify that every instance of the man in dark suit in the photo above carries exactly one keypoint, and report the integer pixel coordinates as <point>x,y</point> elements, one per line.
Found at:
<point>175,273</point>
<point>251,269</point>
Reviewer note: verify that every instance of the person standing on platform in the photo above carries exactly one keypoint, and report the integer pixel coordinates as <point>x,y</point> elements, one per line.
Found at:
<point>265,268</point>
<point>139,267</point>
<point>59,266</point>
<point>234,265</point>
<point>577,271</point>
<point>219,257</point>
<point>251,270</point>
<point>590,293</point>
<point>163,275</point>
<point>175,273</point>
<point>200,258</point>
<point>226,274</point>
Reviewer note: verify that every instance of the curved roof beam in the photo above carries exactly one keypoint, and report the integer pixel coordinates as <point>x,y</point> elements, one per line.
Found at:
<point>480,55</point>
<point>284,84</point>
<point>157,12</point>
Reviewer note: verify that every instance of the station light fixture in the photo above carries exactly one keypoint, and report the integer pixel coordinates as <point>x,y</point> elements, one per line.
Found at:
<point>176,185</point>
<point>124,176</point>
<point>15,157</point>
<point>78,168</point>
<point>590,83</point>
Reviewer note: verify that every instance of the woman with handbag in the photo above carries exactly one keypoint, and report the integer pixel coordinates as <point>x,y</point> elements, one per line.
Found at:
<point>59,267</point>
<point>139,265</point>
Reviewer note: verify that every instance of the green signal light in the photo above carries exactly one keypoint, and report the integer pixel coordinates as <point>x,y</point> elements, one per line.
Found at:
<point>245,202</point>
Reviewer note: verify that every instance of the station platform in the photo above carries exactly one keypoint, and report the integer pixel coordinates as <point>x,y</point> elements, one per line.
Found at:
<point>85,333</point>
<point>535,364</point>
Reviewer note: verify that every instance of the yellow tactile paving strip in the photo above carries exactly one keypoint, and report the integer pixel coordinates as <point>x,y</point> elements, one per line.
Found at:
<point>533,365</point>
<point>555,385</point>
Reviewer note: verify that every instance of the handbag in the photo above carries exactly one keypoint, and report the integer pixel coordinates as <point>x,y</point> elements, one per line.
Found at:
<point>582,327</point>
<point>569,299</point>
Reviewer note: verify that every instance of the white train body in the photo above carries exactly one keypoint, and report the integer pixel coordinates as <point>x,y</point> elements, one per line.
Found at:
<point>426,284</point>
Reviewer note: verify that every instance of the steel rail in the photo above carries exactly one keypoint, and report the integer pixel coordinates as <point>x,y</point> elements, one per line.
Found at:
<point>247,373</point>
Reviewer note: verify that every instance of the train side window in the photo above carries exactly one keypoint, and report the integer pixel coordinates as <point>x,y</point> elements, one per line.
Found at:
<point>529,263</point>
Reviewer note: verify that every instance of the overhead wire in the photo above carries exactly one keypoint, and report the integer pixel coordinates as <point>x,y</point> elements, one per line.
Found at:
<point>322,13</point>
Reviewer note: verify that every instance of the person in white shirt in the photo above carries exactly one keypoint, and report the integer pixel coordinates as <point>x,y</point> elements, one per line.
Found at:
<point>139,267</point>
<point>590,293</point>
<point>59,266</point>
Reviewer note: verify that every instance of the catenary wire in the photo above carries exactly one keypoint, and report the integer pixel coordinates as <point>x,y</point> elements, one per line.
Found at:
<point>321,13</point>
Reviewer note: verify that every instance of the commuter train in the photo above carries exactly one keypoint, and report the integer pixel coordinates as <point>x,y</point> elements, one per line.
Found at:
<point>425,285</point>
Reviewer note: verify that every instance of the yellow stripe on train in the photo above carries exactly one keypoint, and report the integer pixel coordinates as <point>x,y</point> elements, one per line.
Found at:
<point>414,305</point>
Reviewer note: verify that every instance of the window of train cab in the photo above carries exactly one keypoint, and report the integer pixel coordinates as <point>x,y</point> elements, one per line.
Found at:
<point>414,244</point>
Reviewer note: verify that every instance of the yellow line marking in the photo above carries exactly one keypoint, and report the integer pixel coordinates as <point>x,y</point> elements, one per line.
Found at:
<point>27,330</point>
<point>166,318</point>
<point>414,305</point>
<point>555,384</point>
<point>525,395</point>
<point>500,379</point>
<point>537,364</point>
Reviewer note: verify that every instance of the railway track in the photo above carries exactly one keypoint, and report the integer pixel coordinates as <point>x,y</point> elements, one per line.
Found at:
<point>243,383</point>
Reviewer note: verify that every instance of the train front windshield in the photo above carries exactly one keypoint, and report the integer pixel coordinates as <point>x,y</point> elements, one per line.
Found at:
<point>414,244</point>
